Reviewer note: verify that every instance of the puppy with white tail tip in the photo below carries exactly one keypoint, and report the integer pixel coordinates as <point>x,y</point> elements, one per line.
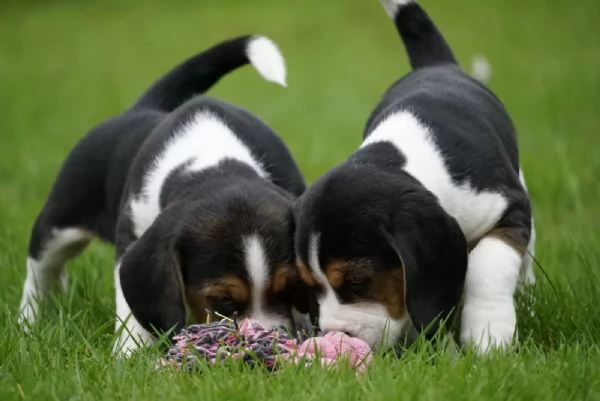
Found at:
<point>430,212</point>
<point>195,193</point>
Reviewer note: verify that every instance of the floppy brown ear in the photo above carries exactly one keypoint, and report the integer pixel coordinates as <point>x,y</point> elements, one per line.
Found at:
<point>433,252</point>
<point>151,278</point>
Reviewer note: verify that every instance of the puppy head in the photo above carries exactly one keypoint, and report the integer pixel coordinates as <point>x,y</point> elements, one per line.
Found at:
<point>381,253</point>
<point>232,254</point>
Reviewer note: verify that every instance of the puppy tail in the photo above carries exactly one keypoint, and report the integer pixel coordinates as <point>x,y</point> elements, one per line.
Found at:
<point>424,44</point>
<point>200,72</point>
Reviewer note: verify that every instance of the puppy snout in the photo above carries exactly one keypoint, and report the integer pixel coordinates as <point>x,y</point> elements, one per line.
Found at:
<point>332,326</point>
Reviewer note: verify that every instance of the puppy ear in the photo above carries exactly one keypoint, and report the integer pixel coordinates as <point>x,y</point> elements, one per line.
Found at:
<point>150,276</point>
<point>433,252</point>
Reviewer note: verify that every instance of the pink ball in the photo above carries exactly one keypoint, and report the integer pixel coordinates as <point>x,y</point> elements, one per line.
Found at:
<point>334,345</point>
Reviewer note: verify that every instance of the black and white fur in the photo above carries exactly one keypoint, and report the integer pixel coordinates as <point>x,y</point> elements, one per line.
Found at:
<point>191,190</point>
<point>436,188</point>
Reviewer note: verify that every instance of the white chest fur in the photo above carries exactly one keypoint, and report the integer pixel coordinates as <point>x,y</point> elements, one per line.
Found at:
<point>203,142</point>
<point>476,212</point>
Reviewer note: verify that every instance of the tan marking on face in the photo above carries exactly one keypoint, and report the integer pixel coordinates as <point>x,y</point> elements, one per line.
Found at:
<point>276,297</point>
<point>231,286</point>
<point>387,288</point>
<point>335,271</point>
<point>197,304</point>
<point>288,290</point>
<point>513,237</point>
<point>280,279</point>
<point>305,273</point>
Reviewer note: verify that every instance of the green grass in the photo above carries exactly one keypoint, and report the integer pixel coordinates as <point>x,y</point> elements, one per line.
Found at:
<point>66,65</point>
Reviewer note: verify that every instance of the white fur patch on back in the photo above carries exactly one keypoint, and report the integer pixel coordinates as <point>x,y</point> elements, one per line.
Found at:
<point>476,212</point>
<point>257,265</point>
<point>391,6</point>
<point>203,142</point>
<point>265,56</point>
<point>367,321</point>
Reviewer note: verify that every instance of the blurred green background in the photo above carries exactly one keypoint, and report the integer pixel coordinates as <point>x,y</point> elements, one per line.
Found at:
<point>67,65</point>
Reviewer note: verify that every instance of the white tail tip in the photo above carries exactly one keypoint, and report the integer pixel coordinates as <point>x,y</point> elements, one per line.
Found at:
<point>481,69</point>
<point>391,6</point>
<point>267,59</point>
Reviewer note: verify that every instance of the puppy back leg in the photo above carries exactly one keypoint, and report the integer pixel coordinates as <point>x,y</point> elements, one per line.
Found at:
<point>72,215</point>
<point>527,273</point>
<point>489,316</point>
<point>527,277</point>
<point>50,247</point>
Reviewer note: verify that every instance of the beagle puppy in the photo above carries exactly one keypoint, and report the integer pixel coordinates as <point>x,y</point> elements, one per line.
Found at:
<point>196,195</point>
<point>430,213</point>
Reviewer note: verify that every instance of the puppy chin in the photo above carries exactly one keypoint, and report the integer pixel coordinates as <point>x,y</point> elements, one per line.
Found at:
<point>370,323</point>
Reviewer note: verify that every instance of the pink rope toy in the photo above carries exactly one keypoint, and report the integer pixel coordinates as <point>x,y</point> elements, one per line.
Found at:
<point>252,343</point>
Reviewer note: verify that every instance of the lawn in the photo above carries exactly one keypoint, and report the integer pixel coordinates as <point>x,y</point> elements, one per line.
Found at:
<point>66,65</point>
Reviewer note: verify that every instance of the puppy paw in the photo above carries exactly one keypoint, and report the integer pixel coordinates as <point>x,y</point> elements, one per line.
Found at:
<point>130,339</point>
<point>487,329</point>
<point>27,316</point>
<point>125,346</point>
<point>28,308</point>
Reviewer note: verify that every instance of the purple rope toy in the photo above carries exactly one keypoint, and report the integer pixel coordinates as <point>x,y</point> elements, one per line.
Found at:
<point>253,344</point>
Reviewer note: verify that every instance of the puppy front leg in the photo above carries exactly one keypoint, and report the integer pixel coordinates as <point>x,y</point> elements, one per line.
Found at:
<point>131,335</point>
<point>489,316</point>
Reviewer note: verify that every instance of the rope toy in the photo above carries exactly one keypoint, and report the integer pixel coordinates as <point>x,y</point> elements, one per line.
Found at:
<point>252,343</point>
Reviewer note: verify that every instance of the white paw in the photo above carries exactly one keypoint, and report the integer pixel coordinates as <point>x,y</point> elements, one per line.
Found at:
<point>527,279</point>
<point>27,314</point>
<point>127,344</point>
<point>488,328</point>
<point>132,337</point>
<point>29,306</point>
<point>124,346</point>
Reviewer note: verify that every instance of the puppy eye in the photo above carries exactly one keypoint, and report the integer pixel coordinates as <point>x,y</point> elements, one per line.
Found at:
<point>358,287</point>
<point>224,305</point>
